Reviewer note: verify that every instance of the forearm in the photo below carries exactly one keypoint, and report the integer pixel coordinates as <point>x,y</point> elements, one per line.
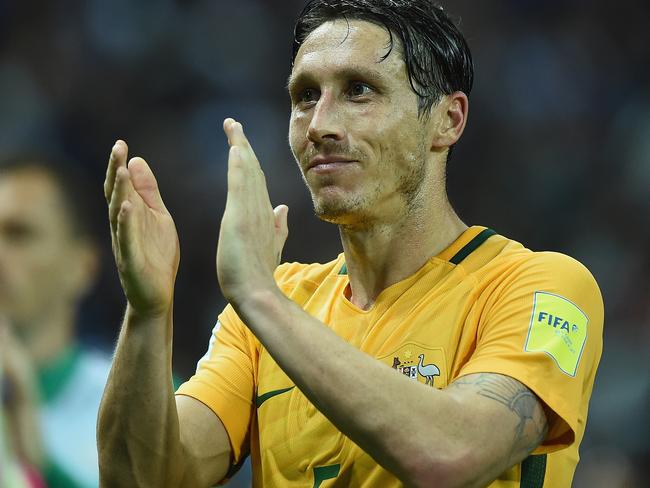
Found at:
<point>138,429</point>
<point>359,394</point>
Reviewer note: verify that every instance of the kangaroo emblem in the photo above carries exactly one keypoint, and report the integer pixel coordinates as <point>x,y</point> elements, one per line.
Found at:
<point>427,370</point>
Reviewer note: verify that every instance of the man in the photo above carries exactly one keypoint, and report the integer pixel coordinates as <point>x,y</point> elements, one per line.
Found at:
<point>48,263</point>
<point>427,354</point>
<point>21,455</point>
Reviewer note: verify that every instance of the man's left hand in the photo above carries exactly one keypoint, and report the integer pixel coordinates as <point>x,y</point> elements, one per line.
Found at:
<point>253,233</point>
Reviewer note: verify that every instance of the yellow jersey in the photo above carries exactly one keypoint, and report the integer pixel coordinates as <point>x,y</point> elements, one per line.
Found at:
<point>484,304</point>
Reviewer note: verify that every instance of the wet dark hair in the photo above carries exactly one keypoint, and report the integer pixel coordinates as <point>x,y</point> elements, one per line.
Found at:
<point>71,183</point>
<point>437,57</point>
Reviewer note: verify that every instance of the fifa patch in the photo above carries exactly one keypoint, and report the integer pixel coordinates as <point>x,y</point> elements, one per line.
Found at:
<point>558,328</point>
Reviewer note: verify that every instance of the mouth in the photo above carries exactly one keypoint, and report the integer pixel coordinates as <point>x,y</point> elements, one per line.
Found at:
<point>327,163</point>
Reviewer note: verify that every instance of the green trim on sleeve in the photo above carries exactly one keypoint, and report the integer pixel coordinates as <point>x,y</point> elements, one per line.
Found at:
<point>533,471</point>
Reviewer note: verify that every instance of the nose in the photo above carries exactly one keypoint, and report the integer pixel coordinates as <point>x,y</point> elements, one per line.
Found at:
<point>325,124</point>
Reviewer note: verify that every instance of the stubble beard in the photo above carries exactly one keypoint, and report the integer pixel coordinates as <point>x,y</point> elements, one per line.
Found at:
<point>358,209</point>
<point>338,211</point>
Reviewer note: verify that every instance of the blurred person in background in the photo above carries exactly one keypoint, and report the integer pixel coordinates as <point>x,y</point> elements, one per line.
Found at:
<point>21,456</point>
<point>48,263</point>
<point>494,362</point>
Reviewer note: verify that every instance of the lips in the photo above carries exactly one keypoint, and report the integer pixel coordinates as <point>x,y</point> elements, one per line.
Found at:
<point>326,161</point>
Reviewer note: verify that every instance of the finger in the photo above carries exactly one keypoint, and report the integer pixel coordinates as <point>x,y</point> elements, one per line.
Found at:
<point>246,182</point>
<point>235,132</point>
<point>236,136</point>
<point>124,231</point>
<point>121,193</point>
<point>250,163</point>
<point>236,173</point>
<point>116,159</point>
<point>145,184</point>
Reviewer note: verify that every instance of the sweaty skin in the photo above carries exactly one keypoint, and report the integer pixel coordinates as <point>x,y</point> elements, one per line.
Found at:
<point>350,101</point>
<point>377,170</point>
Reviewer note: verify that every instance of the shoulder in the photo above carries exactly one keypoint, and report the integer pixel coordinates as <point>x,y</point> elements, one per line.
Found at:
<point>290,274</point>
<point>518,276</point>
<point>508,262</point>
<point>508,274</point>
<point>550,269</point>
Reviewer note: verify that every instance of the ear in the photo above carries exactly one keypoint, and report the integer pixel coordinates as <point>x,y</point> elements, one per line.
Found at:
<point>450,118</point>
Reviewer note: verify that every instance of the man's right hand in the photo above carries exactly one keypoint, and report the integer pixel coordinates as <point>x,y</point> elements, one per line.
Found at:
<point>143,234</point>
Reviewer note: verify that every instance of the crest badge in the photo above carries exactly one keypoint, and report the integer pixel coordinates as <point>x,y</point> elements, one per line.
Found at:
<point>423,364</point>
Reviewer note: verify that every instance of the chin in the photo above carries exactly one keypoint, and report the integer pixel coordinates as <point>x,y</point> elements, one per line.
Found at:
<point>340,204</point>
<point>339,211</point>
<point>329,210</point>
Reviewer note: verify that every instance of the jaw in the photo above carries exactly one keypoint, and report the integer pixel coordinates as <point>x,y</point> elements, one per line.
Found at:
<point>356,210</point>
<point>334,205</point>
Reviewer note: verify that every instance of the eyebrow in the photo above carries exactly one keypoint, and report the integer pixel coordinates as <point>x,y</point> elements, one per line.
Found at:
<point>352,72</point>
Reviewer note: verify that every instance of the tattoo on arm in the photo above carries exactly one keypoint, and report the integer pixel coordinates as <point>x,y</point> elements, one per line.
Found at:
<point>532,425</point>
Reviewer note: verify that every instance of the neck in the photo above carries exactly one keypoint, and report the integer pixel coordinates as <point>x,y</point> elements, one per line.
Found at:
<point>387,252</point>
<point>48,337</point>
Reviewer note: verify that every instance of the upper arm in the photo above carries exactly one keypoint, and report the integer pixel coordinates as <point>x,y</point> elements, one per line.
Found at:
<point>543,327</point>
<point>510,422</point>
<point>204,441</point>
<point>220,395</point>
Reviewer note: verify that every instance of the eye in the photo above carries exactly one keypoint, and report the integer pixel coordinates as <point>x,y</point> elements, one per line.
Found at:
<point>359,89</point>
<point>19,232</point>
<point>308,95</point>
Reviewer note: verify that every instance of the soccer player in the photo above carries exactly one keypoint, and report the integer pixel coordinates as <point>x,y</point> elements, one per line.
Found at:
<point>21,456</point>
<point>48,263</point>
<point>428,353</point>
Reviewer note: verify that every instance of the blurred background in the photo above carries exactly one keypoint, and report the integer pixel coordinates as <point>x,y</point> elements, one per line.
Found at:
<point>556,154</point>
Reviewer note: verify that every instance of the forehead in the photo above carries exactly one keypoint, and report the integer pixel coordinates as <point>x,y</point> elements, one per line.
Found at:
<point>29,193</point>
<point>342,44</point>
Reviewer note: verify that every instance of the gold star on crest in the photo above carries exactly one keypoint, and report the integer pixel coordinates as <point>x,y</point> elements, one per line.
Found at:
<point>408,354</point>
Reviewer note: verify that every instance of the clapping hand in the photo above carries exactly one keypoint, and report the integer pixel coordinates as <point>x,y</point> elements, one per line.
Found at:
<point>253,233</point>
<point>143,234</point>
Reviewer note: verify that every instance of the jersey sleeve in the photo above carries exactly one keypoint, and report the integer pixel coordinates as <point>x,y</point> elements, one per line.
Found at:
<point>543,326</point>
<point>225,379</point>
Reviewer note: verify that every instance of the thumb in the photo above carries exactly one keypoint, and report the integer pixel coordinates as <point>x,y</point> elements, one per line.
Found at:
<point>280,214</point>
<point>145,184</point>
<point>281,229</point>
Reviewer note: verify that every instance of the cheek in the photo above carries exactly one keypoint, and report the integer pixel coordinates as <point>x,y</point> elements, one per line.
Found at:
<point>26,278</point>
<point>298,125</point>
<point>45,262</point>
<point>402,149</point>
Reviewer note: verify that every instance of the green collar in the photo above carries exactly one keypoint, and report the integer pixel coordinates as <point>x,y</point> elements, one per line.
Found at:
<point>480,235</point>
<point>53,378</point>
